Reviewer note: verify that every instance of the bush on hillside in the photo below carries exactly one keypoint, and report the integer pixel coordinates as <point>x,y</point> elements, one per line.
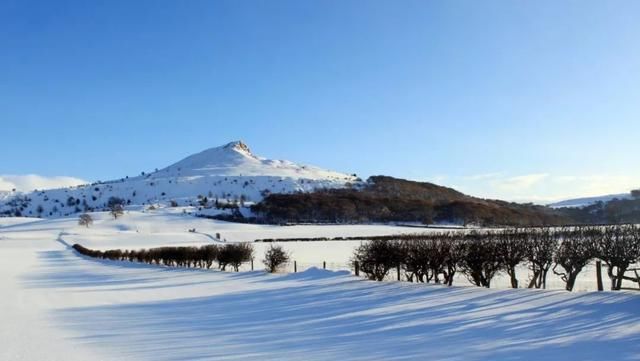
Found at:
<point>85,219</point>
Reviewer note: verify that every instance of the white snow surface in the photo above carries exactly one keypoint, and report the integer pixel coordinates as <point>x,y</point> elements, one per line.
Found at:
<point>237,159</point>
<point>58,305</point>
<point>229,173</point>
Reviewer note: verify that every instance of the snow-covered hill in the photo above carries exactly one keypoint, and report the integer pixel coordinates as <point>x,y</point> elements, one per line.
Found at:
<point>4,195</point>
<point>228,174</point>
<point>587,201</point>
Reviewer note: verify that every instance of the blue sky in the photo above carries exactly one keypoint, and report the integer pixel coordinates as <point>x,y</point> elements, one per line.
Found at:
<point>522,100</point>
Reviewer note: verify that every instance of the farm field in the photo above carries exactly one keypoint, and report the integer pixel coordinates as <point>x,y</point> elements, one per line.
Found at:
<point>170,227</point>
<point>58,305</point>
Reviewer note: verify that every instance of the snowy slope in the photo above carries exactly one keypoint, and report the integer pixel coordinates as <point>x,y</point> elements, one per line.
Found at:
<point>237,159</point>
<point>6,195</point>
<point>57,305</point>
<point>587,201</point>
<point>230,173</point>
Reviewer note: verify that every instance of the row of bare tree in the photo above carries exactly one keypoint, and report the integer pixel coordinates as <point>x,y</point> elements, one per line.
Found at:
<point>481,255</point>
<point>232,254</point>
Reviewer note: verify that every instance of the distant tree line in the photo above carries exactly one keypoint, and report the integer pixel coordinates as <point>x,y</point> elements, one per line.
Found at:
<point>613,211</point>
<point>481,255</point>
<point>386,199</point>
<point>229,255</point>
<point>354,206</point>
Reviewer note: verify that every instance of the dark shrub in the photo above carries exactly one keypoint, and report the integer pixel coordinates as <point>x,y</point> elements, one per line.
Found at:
<point>619,247</point>
<point>542,244</point>
<point>275,257</point>
<point>576,250</point>
<point>481,260</point>
<point>234,254</point>
<point>511,245</point>
<point>377,258</point>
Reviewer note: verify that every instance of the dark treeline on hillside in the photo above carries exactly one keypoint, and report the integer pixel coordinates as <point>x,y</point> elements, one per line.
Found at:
<point>612,212</point>
<point>386,199</point>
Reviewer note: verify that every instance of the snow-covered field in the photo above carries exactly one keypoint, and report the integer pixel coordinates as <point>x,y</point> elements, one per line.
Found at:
<point>169,227</point>
<point>56,305</point>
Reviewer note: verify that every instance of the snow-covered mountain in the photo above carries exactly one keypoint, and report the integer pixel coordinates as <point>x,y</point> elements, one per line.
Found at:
<point>230,173</point>
<point>587,201</point>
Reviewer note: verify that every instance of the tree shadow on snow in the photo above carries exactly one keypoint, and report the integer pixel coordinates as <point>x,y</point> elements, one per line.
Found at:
<point>67,268</point>
<point>309,318</point>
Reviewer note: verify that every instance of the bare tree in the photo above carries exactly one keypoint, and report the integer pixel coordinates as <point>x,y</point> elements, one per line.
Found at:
<point>511,246</point>
<point>275,257</point>
<point>376,258</point>
<point>210,254</point>
<point>431,257</point>
<point>456,252</point>
<point>481,261</point>
<point>116,210</point>
<point>116,206</point>
<point>576,250</point>
<point>619,247</point>
<point>235,254</point>
<point>542,245</point>
<point>85,219</point>
<point>416,260</point>
<point>439,251</point>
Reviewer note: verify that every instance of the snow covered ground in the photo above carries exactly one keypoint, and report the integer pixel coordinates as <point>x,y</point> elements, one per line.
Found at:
<point>169,227</point>
<point>57,305</point>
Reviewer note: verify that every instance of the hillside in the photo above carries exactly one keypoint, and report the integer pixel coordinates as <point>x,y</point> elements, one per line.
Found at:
<point>278,191</point>
<point>588,201</point>
<point>231,183</point>
<point>387,199</point>
<point>228,174</point>
<point>613,211</point>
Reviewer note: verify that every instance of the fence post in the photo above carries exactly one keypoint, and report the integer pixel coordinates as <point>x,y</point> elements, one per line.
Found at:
<point>398,271</point>
<point>357,266</point>
<point>599,275</point>
<point>252,264</point>
<point>324,264</point>
<point>295,267</point>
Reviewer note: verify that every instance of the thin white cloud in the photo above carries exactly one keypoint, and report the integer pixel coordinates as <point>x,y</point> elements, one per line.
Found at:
<point>519,183</point>
<point>29,182</point>
<point>596,185</point>
<point>543,187</point>
<point>484,176</point>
